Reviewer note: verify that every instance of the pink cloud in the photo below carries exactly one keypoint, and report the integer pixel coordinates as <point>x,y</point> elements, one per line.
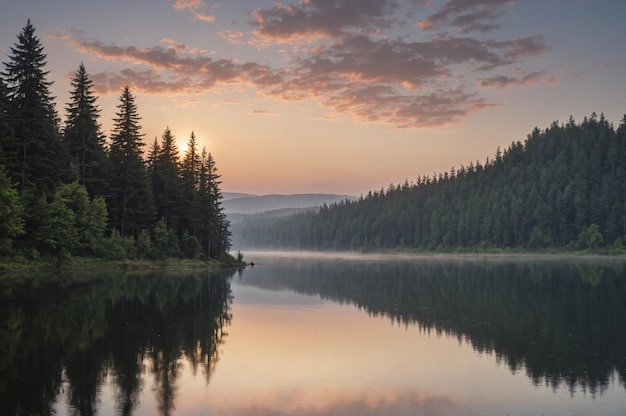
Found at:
<point>209,18</point>
<point>194,6</point>
<point>352,70</point>
<point>188,4</point>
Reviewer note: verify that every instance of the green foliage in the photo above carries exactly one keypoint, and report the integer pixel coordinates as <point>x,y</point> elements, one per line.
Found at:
<point>72,223</point>
<point>131,203</point>
<point>144,245</point>
<point>58,234</point>
<point>191,246</point>
<point>562,187</point>
<point>165,242</point>
<point>84,137</point>
<point>167,182</point>
<point>11,211</point>
<point>35,155</point>
<point>114,246</point>
<point>90,217</point>
<point>45,211</point>
<point>590,237</point>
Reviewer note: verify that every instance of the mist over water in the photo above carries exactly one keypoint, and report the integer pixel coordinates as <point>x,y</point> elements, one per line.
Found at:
<point>321,334</point>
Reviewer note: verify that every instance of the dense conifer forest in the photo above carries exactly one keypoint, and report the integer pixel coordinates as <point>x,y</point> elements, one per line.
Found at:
<point>67,190</point>
<point>564,187</point>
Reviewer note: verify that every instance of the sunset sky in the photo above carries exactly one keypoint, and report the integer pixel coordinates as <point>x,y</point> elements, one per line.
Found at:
<point>337,96</point>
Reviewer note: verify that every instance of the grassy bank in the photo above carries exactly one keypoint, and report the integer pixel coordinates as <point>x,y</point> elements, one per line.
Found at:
<point>17,264</point>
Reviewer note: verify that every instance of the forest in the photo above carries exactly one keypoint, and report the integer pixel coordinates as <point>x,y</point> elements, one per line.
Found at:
<point>563,188</point>
<point>67,190</point>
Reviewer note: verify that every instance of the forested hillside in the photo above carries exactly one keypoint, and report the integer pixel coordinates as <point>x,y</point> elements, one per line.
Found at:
<point>564,186</point>
<point>67,190</point>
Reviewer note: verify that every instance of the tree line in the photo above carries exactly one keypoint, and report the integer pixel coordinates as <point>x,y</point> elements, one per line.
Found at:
<point>563,187</point>
<point>66,190</point>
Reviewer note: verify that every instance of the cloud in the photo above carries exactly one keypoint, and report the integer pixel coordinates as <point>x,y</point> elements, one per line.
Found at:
<point>194,6</point>
<point>532,78</point>
<point>352,70</point>
<point>467,15</point>
<point>262,112</point>
<point>180,47</point>
<point>236,38</point>
<point>188,4</point>
<point>313,19</point>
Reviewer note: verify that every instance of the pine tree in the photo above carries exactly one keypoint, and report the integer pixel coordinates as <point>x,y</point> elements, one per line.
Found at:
<point>6,129</point>
<point>190,175</point>
<point>37,157</point>
<point>213,228</point>
<point>84,137</point>
<point>131,204</point>
<point>166,182</point>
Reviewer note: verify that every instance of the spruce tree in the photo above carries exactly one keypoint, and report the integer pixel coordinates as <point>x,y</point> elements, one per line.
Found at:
<point>190,175</point>
<point>36,157</point>
<point>166,182</point>
<point>6,129</point>
<point>214,233</point>
<point>84,137</point>
<point>131,205</point>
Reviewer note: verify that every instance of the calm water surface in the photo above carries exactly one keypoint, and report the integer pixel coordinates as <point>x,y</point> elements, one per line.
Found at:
<point>320,335</point>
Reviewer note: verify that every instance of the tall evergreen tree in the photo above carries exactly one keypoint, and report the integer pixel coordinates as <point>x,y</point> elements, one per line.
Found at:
<point>166,182</point>
<point>6,129</point>
<point>190,175</point>
<point>37,157</point>
<point>214,234</point>
<point>84,137</point>
<point>131,205</point>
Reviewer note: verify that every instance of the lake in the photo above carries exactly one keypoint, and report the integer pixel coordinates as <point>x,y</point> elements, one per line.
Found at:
<point>313,334</point>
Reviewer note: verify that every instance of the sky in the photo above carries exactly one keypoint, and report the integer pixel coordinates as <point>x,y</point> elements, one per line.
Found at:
<point>336,96</point>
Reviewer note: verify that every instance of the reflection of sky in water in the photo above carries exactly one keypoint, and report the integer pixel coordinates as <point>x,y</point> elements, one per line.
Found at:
<point>292,354</point>
<point>320,358</point>
<point>248,295</point>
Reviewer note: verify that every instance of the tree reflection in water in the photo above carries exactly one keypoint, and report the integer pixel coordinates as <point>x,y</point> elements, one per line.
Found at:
<point>559,320</point>
<point>68,332</point>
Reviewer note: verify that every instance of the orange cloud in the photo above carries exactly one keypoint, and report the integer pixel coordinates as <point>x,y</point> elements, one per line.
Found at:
<point>194,6</point>
<point>188,4</point>
<point>209,18</point>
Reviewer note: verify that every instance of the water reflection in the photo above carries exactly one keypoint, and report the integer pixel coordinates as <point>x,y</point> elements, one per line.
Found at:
<point>560,321</point>
<point>311,336</point>
<point>65,334</point>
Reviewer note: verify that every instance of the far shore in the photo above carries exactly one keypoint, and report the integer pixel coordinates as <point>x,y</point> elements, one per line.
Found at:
<point>436,255</point>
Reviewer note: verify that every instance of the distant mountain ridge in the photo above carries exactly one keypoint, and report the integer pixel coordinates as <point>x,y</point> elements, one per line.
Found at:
<point>232,195</point>
<point>253,204</point>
